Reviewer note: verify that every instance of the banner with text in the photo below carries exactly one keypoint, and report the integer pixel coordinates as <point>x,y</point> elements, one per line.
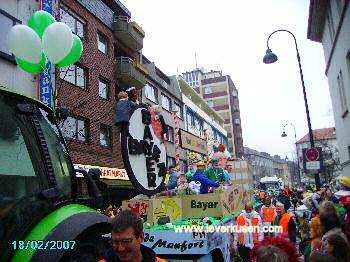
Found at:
<point>192,142</point>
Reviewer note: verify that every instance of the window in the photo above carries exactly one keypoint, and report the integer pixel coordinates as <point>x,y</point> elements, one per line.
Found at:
<point>348,152</point>
<point>170,134</point>
<point>210,103</point>
<point>102,43</point>
<point>237,121</point>
<point>244,176</point>
<point>75,128</point>
<point>151,93</point>
<point>6,22</point>
<point>103,88</point>
<point>208,90</point>
<point>179,110</point>
<point>166,102</point>
<point>75,23</point>
<point>105,136</point>
<point>238,176</point>
<point>170,161</point>
<point>189,120</point>
<point>75,75</point>
<point>342,94</point>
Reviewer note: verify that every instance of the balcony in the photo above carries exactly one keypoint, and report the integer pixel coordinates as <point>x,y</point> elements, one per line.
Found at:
<point>130,74</point>
<point>221,107</point>
<point>129,33</point>
<point>215,94</point>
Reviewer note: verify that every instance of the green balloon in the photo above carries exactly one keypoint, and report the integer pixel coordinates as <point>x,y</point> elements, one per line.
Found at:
<point>39,21</point>
<point>32,68</point>
<point>43,61</point>
<point>74,54</point>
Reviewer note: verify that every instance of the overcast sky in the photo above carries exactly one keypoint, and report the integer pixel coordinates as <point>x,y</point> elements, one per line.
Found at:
<point>230,35</point>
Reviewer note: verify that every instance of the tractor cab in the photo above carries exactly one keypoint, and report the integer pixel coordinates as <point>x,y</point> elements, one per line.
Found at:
<point>36,172</point>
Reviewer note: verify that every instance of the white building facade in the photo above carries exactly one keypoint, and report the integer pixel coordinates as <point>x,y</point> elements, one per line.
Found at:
<point>329,24</point>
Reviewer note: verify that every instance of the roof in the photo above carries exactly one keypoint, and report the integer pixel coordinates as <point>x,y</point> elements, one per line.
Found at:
<point>320,134</point>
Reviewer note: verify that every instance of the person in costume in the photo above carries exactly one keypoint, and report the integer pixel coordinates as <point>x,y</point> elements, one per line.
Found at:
<point>286,221</point>
<point>200,176</point>
<point>221,155</point>
<point>216,173</point>
<point>158,123</point>
<point>245,241</point>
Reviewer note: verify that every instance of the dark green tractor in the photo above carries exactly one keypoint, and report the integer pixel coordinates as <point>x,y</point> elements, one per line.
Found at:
<point>42,215</point>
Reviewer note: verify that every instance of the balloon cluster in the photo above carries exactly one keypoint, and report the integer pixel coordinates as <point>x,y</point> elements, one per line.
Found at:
<point>43,39</point>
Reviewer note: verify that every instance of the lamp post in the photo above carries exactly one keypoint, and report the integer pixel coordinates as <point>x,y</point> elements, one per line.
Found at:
<point>269,58</point>
<point>296,147</point>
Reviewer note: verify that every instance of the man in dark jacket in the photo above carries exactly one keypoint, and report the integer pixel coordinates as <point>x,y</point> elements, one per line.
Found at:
<point>284,199</point>
<point>199,176</point>
<point>127,238</point>
<point>124,108</point>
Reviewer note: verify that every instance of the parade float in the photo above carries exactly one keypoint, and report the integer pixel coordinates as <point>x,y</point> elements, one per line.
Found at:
<point>162,210</point>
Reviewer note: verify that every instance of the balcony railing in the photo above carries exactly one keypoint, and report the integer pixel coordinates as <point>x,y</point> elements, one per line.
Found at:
<point>129,33</point>
<point>128,73</point>
<point>221,107</point>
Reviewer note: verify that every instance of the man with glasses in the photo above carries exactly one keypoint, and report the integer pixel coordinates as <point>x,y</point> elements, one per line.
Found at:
<point>127,238</point>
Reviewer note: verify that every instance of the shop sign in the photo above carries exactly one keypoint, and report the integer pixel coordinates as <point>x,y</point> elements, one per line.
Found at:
<point>143,153</point>
<point>106,172</point>
<point>192,142</point>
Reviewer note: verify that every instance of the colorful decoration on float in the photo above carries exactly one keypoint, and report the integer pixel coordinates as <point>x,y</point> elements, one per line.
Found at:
<point>177,142</point>
<point>43,40</point>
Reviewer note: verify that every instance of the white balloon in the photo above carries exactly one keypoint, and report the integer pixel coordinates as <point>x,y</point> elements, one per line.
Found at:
<point>57,41</point>
<point>24,43</point>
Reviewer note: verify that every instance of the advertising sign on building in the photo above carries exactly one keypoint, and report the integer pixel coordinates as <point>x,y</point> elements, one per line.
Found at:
<point>192,142</point>
<point>312,159</point>
<point>106,172</point>
<point>46,78</point>
<point>143,153</point>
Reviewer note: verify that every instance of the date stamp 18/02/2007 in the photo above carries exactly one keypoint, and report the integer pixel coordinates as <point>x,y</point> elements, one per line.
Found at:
<point>43,244</point>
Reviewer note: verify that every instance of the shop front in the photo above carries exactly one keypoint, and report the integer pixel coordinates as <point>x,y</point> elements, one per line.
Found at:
<point>113,183</point>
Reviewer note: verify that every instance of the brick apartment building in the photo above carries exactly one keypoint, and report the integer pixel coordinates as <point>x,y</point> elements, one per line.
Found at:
<point>221,94</point>
<point>109,64</point>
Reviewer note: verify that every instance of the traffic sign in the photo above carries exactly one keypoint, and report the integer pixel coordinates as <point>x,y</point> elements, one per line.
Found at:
<point>312,154</point>
<point>312,160</point>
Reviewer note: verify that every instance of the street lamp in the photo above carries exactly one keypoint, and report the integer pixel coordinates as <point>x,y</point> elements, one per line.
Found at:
<point>296,147</point>
<point>269,58</point>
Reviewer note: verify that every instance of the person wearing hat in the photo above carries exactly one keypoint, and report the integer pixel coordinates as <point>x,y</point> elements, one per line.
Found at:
<point>200,176</point>
<point>216,173</point>
<point>286,221</point>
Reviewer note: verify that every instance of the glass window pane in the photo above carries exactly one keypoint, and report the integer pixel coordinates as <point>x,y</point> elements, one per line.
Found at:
<point>80,29</point>
<point>102,43</point>
<point>81,77</point>
<point>68,20</point>
<point>82,134</point>
<point>69,127</point>
<point>103,89</point>
<point>68,74</point>
<point>6,24</point>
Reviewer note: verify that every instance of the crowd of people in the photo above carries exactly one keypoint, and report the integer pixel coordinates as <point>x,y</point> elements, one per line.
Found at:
<point>316,225</point>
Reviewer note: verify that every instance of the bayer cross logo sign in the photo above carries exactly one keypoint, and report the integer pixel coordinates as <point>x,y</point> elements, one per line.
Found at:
<point>312,159</point>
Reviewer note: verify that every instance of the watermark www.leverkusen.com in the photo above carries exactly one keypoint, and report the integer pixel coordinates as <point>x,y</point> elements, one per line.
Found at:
<point>228,229</point>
